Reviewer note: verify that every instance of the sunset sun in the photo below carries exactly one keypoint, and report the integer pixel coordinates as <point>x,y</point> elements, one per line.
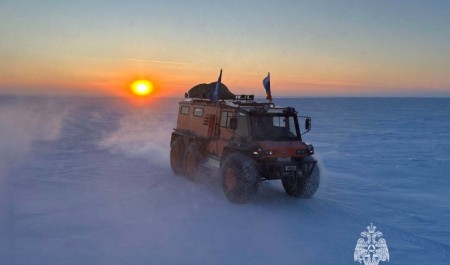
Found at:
<point>142,87</point>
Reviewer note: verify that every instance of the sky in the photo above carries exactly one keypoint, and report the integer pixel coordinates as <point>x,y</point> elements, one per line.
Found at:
<point>310,48</point>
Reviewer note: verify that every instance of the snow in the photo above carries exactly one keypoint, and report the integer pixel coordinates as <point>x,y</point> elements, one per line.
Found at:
<point>87,181</point>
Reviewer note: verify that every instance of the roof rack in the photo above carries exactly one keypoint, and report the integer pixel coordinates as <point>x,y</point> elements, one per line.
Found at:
<point>238,99</point>
<point>245,98</point>
<point>246,101</point>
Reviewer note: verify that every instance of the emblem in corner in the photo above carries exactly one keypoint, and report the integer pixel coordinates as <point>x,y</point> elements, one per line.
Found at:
<point>371,248</point>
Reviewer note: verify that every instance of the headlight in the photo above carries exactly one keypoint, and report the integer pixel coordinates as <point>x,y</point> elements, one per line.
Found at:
<point>257,151</point>
<point>269,152</point>
<point>260,151</point>
<point>311,149</point>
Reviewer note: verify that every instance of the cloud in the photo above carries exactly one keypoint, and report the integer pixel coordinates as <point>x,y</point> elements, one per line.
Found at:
<point>22,123</point>
<point>142,133</point>
<point>160,62</point>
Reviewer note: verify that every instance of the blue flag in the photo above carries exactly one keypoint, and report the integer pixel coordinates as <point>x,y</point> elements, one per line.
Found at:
<point>266,83</point>
<point>215,92</point>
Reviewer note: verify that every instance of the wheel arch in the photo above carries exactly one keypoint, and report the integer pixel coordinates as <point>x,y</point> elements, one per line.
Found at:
<point>188,138</point>
<point>228,150</point>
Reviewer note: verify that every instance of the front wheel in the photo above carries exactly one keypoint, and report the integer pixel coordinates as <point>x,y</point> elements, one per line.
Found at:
<point>301,186</point>
<point>239,178</point>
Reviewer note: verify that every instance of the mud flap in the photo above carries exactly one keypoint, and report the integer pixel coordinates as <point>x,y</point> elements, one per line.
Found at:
<point>307,168</point>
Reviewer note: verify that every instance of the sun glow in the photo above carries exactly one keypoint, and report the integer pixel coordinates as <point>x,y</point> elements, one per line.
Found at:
<point>142,87</point>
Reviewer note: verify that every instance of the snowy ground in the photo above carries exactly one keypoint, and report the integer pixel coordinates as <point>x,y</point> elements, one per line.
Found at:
<point>87,181</point>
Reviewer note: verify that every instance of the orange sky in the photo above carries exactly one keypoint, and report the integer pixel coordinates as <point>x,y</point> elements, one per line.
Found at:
<point>310,49</point>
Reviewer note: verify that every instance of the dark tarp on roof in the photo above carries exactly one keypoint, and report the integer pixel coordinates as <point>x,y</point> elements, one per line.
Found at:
<point>205,91</point>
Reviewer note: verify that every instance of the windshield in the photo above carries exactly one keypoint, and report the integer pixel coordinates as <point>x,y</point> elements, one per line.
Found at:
<point>274,127</point>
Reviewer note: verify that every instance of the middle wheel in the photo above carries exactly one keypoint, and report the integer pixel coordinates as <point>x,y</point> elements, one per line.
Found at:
<point>192,160</point>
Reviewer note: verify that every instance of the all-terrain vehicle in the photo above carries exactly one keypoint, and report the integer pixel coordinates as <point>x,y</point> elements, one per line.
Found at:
<point>249,141</point>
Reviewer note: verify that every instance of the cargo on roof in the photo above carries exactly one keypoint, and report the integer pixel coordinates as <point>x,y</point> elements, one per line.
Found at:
<point>205,91</point>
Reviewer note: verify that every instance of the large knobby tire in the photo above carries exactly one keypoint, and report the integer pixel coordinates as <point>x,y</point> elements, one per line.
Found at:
<point>302,187</point>
<point>177,150</point>
<point>239,178</point>
<point>192,160</point>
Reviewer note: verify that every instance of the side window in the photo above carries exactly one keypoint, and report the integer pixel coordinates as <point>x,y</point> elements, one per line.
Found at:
<point>184,110</point>
<point>198,112</point>
<point>292,129</point>
<point>242,128</point>
<point>225,119</point>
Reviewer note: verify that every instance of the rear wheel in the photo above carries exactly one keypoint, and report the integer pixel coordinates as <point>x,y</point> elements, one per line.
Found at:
<point>239,178</point>
<point>177,150</point>
<point>300,186</point>
<point>192,160</point>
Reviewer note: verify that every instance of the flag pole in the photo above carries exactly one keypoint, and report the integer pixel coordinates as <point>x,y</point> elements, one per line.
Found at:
<point>216,90</point>
<point>266,83</point>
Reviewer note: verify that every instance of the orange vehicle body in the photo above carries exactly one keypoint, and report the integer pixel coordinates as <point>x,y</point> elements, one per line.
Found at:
<point>248,140</point>
<point>209,124</point>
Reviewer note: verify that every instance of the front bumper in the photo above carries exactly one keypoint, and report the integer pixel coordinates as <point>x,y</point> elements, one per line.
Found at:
<point>276,169</point>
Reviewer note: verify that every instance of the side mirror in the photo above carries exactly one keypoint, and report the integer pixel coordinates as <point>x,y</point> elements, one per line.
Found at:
<point>308,124</point>
<point>233,123</point>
